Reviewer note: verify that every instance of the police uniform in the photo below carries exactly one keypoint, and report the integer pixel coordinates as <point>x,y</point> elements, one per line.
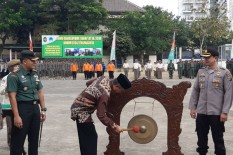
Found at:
<point>26,85</point>
<point>211,96</point>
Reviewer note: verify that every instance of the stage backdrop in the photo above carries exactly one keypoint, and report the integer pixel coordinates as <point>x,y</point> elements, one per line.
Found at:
<point>72,46</point>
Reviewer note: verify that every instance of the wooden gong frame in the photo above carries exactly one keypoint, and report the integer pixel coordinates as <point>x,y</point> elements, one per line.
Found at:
<point>170,98</point>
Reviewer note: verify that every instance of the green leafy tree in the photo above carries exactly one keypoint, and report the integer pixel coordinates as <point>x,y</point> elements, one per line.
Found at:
<point>71,16</point>
<point>211,29</point>
<point>14,16</point>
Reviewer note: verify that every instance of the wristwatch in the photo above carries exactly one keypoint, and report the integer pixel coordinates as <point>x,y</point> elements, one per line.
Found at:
<point>43,109</point>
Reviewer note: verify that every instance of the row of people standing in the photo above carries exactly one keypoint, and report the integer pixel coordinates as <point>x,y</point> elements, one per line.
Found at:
<point>149,68</point>
<point>89,69</point>
<point>189,68</point>
<point>64,69</point>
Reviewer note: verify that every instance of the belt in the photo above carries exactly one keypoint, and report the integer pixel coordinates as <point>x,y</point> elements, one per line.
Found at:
<point>28,102</point>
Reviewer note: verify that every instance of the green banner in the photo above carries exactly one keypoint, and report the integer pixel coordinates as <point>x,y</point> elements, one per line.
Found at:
<point>72,46</point>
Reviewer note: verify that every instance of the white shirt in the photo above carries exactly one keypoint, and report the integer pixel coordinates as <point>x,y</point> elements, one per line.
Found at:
<point>154,67</point>
<point>149,65</point>
<point>160,65</point>
<point>126,65</point>
<point>3,94</point>
<point>136,65</point>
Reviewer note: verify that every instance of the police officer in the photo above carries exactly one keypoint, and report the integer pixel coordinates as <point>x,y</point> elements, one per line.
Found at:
<point>25,94</point>
<point>210,102</point>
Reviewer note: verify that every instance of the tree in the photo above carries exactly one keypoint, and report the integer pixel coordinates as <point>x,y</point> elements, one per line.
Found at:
<point>211,29</point>
<point>14,16</point>
<point>72,16</point>
<point>150,32</point>
<point>183,33</point>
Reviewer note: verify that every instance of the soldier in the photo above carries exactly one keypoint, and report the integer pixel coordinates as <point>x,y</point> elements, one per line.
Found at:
<point>25,93</point>
<point>180,67</point>
<point>192,69</point>
<point>13,66</point>
<point>170,68</point>
<point>210,102</point>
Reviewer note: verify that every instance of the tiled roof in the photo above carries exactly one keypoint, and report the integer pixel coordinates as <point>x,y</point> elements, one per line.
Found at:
<point>120,6</point>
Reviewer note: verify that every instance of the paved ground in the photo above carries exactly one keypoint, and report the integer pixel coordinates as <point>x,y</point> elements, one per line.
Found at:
<point>59,135</point>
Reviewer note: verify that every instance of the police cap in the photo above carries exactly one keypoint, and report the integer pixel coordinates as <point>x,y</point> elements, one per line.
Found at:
<point>210,52</point>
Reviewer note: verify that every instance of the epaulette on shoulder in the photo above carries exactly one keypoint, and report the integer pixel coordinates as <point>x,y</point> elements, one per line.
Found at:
<point>204,67</point>
<point>222,68</point>
<point>34,70</point>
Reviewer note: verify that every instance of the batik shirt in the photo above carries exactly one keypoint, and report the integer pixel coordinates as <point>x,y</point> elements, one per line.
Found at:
<point>94,97</point>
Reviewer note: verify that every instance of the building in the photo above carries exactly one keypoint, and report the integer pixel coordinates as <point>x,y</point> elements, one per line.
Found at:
<point>227,6</point>
<point>191,10</point>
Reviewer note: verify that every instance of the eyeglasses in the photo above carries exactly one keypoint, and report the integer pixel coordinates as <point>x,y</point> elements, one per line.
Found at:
<point>34,61</point>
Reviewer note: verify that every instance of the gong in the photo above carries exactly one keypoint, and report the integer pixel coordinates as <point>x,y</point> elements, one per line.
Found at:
<point>146,126</point>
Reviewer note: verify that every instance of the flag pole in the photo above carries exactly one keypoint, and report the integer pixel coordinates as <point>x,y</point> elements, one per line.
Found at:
<point>113,48</point>
<point>30,42</point>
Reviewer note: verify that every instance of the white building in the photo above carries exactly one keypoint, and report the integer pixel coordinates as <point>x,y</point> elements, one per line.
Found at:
<point>190,9</point>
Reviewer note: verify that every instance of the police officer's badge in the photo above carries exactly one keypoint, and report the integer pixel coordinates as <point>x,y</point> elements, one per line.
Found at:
<point>25,88</point>
<point>229,76</point>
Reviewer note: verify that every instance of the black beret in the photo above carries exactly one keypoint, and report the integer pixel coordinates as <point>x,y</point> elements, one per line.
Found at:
<point>26,54</point>
<point>124,81</point>
<point>210,52</point>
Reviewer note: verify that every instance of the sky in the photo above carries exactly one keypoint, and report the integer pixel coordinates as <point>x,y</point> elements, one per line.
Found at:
<point>168,5</point>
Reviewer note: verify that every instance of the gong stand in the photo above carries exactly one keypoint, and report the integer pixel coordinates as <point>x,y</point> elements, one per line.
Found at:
<point>170,98</point>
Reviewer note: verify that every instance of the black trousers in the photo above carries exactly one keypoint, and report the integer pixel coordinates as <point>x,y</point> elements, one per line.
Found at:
<point>87,138</point>
<point>99,73</point>
<point>111,74</point>
<point>74,74</point>
<point>86,75</point>
<point>30,115</point>
<point>203,125</point>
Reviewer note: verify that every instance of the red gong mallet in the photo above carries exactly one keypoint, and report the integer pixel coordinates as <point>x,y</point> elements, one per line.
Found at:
<point>136,129</point>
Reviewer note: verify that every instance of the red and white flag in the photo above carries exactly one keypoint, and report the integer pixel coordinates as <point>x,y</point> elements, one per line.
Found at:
<point>30,42</point>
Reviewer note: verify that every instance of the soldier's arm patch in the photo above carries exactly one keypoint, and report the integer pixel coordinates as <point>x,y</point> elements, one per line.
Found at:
<point>229,76</point>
